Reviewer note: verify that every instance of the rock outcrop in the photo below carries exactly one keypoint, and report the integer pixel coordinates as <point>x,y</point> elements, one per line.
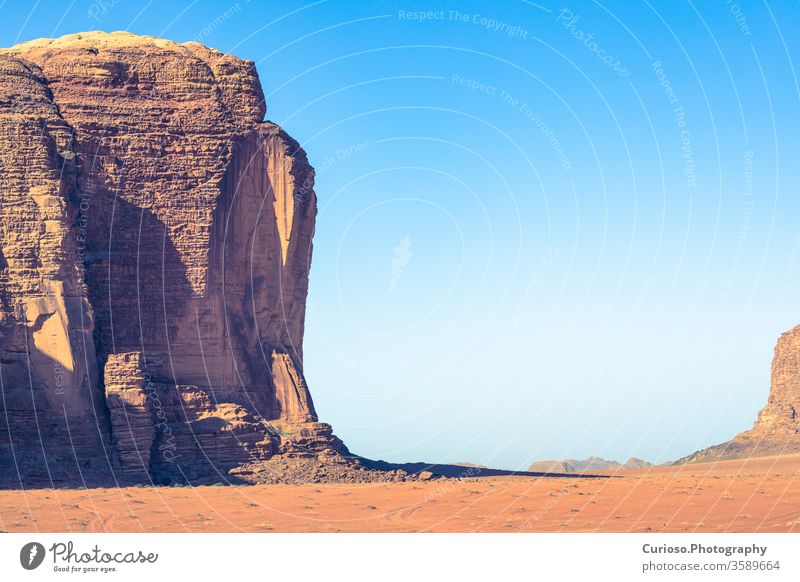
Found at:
<point>588,465</point>
<point>777,429</point>
<point>155,245</point>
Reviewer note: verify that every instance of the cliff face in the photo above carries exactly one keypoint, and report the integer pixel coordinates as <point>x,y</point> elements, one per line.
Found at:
<point>777,429</point>
<point>156,242</point>
<point>48,372</point>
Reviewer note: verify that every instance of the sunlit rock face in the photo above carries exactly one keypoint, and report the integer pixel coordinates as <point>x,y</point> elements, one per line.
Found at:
<point>156,242</point>
<point>777,429</point>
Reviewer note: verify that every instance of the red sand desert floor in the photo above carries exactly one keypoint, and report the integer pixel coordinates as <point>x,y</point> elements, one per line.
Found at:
<point>735,496</point>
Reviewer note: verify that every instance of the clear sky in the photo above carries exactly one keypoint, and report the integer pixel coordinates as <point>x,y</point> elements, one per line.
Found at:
<point>546,230</point>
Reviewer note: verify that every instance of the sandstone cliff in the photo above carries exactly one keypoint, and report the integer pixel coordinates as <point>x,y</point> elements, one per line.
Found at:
<point>155,244</point>
<point>777,429</point>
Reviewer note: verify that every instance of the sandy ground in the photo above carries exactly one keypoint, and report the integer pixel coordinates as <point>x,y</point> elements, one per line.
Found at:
<point>734,496</point>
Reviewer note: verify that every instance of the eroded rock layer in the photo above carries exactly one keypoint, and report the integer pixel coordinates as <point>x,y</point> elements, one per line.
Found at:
<point>156,242</point>
<point>49,426</point>
<point>777,429</point>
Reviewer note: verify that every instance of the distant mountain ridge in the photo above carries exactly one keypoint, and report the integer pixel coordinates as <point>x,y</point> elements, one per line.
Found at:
<point>587,465</point>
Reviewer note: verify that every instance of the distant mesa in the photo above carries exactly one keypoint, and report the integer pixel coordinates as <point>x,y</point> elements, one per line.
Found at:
<point>588,465</point>
<point>470,465</point>
<point>777,429</point>
<point>634,463</point>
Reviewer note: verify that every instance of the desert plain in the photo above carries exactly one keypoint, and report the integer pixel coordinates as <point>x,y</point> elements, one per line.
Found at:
<point>754,495</point>
<point>138,346</point>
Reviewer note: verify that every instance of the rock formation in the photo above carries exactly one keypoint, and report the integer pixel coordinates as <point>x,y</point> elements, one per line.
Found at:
<point>554,466</point>
<point>777,429</point>
<point>155,245</point>
<point>634,463</point>
<point>587,465</point>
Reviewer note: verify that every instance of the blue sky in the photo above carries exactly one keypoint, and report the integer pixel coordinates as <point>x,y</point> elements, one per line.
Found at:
<point>546,230</point>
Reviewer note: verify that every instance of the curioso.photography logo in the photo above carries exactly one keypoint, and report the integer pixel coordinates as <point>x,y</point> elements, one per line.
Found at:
<point>32,555</point>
